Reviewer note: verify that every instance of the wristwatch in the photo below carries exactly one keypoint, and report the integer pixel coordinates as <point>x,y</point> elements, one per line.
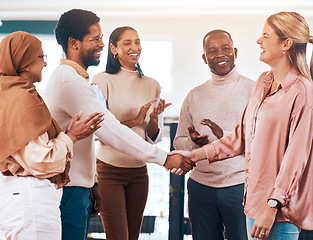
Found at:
<point>274,204</point>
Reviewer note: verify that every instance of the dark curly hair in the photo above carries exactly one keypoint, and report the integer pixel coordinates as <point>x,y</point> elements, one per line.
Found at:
<point>74,23</point>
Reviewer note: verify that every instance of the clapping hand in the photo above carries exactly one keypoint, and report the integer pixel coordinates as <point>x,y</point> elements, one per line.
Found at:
<point>195,136</point>
<point>216,130</point>
<point>159,109</point>
<point>78,128</point>
<point>143,111</point>
<point>140,116</point>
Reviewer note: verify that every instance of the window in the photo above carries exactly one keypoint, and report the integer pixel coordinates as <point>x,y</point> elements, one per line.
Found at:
<point>156,62</point>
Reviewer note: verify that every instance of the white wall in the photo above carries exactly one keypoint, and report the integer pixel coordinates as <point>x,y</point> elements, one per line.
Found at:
<point>180,21</point>
<point>186,33</point>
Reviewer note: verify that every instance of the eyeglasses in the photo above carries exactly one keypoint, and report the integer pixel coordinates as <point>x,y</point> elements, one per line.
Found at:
<point>97,39</point>
<point>44,57</point>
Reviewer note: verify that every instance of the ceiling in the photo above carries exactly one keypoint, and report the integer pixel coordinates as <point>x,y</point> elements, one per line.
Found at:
<point>51,9</point>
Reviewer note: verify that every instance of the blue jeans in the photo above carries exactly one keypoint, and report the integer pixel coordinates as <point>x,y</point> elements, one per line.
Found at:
<point>279,231</point>
<point>212,209</point>
<point>75,212</point>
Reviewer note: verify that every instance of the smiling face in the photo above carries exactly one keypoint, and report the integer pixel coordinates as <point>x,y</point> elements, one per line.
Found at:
<point>91,47</point>
<point>219,53</point>
<point>127,49</point>
<point>271,46</point>
<point>34,70</point>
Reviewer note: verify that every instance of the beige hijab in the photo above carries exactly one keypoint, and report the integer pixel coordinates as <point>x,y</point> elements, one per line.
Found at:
<point>23,114</point>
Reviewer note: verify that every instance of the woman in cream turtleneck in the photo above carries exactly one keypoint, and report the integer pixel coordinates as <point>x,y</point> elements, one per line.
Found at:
<point>129,95</point>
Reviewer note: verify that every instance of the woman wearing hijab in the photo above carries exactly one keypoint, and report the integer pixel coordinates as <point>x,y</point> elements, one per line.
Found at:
<point>35,155</point>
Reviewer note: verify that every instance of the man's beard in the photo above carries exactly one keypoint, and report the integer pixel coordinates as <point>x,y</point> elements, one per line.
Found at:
<point>89,58</point>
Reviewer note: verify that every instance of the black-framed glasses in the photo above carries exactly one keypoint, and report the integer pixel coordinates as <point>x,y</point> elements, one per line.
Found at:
<point>44,57</point>
<point>97,39</point>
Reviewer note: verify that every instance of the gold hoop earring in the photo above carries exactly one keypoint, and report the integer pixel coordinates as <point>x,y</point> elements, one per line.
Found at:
<point>115,56</point>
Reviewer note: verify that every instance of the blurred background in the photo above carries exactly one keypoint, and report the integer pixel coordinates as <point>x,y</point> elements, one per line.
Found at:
<point>171,33</point>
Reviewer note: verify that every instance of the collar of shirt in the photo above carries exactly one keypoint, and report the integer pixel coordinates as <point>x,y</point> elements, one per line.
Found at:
<point>81,71</point>
<point>290,79</point>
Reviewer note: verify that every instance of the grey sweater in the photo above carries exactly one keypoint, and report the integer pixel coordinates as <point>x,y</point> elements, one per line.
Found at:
<point>222,100</point>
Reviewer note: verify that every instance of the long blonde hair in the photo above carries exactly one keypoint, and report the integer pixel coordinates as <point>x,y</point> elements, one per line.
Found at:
<point>294,26</point>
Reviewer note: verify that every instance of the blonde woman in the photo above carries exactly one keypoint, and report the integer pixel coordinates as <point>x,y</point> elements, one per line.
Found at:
<point>275,133</point>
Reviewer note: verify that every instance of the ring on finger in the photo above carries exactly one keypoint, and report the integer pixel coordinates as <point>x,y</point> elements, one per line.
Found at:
<point>262,234</point>
<point>92,126</point>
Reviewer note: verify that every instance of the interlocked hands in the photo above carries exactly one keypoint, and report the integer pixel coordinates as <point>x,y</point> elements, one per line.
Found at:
<point>177,161</point>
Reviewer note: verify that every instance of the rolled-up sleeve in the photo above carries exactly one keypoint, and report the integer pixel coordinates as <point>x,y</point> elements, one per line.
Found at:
<point>42,157</point>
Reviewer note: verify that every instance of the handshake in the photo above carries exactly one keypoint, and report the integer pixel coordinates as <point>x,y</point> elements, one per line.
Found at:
<point>178,163</point>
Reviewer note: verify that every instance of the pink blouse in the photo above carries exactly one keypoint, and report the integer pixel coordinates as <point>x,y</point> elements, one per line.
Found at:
<point>275,133</point>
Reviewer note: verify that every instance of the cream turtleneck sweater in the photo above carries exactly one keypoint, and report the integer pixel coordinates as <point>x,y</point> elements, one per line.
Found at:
<point>125,93</point>
<point>221,99</point>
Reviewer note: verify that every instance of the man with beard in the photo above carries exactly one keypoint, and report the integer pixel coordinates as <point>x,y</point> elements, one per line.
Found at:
<point>209,112</point>
<point>68,91</point>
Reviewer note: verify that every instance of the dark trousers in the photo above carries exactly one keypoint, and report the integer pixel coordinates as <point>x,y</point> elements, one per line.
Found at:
<point>124,193</point>
<point>75,212</point>
<point>306,235</point>
<point>210,209</point>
